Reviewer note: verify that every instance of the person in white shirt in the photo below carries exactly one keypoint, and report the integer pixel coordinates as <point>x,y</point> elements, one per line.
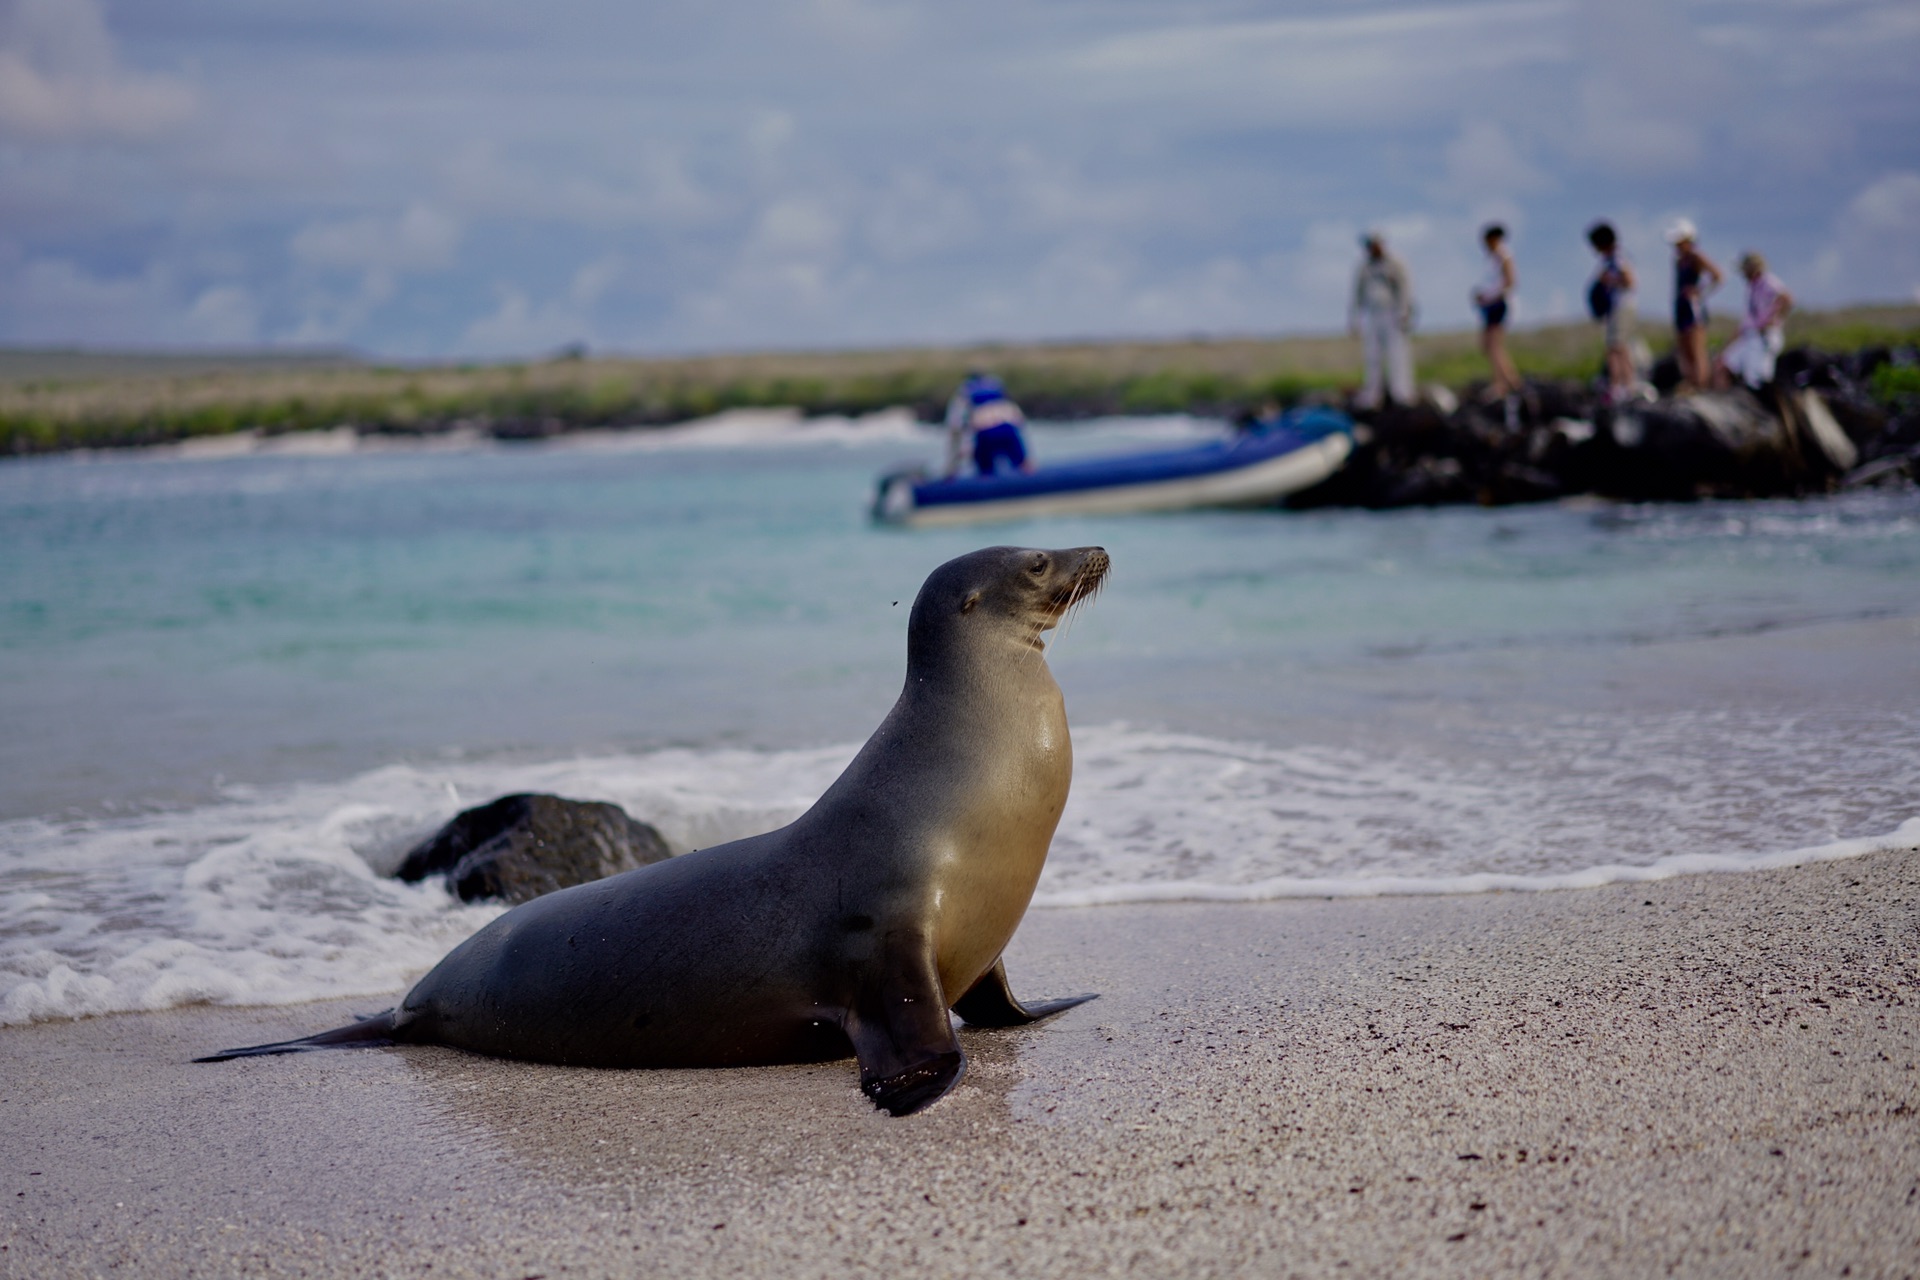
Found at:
<point>1490,296</point>
<point>1381,316</point>
<point>982,420</point>
<point>1749,358</point>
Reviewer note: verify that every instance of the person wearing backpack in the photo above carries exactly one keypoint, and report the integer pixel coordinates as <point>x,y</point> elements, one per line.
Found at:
<point>1610,299</point>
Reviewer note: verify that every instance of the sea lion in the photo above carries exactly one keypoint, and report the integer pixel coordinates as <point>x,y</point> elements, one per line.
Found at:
<point>856,927</point>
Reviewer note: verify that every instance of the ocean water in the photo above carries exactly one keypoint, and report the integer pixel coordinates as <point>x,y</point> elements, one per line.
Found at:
<point>237,680</point>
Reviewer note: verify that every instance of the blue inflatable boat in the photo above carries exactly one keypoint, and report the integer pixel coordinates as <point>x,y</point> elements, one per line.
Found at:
<point>1283,455</point>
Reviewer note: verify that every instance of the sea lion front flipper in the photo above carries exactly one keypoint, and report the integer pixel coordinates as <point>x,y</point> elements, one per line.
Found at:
<point>909,1056</point>
<point>990,1002</point>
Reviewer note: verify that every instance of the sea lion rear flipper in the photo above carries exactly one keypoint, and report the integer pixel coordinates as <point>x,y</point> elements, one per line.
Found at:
<point>990,1002</point>
<point>909,1056</point>
<point>368,1033</point>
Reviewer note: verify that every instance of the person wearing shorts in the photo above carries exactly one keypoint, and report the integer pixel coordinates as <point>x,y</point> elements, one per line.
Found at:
<point>982,413</point>
<point>1610,298</point>
<point>1490,297</point>
<point>1694,277</point>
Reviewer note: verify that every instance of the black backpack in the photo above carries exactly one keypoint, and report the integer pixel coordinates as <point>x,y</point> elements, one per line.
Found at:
<point>1600,298</point>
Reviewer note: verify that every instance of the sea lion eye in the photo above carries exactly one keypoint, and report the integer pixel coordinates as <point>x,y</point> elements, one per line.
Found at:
<point>1038,567</point>
<point>966,606</point>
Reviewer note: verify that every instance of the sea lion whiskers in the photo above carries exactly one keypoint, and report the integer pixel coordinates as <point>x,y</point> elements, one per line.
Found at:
<point>1079,591</point>
<point>1056,607</point>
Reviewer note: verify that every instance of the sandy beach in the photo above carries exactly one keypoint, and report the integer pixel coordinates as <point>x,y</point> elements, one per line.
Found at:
<point>1713,1075</point>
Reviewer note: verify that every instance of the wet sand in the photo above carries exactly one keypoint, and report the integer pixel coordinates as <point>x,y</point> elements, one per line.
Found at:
<point>1716,1075</point>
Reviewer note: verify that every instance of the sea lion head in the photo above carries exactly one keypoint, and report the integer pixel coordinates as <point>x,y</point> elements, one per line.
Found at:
<point>1001,594</point>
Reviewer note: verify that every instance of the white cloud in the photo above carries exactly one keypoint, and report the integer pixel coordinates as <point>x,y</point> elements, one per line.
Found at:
<point>1629,133</point>
<point>1084,276</point>
<point>1874,251</point>
<point>331,316</point>
<point>591,282</point>
<point>146,308</point>
<point>1889,208</point>
<point>71,304</point>
<point>1867,29</point>
<point>420,238</point>
<point>796,227</point>
<point>380,248</point>
<point>871,25</point>
<point>1343,69</point>
<point>1483,164</point>
<point>225,314</point>
<point>1051,193</point>
<point>917,214</point>
<point>519,325</point>
<point>630,184</point>
<point>1645,100</point>
<point>516,326</point>
<point>769,132</point>
<point>1002,169</point>
<point>786,277</point>
<point>61,79</point>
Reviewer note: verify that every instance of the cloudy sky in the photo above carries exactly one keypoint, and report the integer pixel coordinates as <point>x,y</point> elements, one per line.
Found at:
<point>474,177</point>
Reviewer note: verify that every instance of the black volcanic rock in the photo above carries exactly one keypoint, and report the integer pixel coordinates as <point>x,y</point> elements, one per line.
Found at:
<point>522,846</point>
<point>1818,427</point>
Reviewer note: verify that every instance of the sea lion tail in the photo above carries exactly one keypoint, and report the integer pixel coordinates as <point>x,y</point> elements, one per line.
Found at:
<point>368,1033</point>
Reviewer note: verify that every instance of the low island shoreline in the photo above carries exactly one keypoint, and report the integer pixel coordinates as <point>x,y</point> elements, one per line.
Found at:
<point>1710,1075</point>
<point>1843,412</point>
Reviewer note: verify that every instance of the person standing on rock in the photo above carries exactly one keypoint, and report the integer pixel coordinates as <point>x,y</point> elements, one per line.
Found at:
<point>1694,277</point>
<point>1610,299</point>
<point>1381,316</point>
<point>1763,330</point>
<point>1490,296</point>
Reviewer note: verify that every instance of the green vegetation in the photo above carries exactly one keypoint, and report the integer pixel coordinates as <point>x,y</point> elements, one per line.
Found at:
<point>64,400</point>
<point>1897,384</point>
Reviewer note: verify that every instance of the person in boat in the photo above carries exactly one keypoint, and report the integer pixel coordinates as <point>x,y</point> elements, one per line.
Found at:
<point>1750,357</point>
<point>981,411</point>
<point>1381,316</point>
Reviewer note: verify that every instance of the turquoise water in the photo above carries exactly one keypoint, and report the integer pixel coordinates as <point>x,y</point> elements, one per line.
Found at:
<point>233,685</point>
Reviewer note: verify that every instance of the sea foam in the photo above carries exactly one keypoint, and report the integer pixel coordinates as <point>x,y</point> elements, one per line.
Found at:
<point>279,896</point>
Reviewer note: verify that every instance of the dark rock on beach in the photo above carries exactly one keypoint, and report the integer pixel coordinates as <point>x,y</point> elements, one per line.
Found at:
<point>522,846</point>
<point>1819,427</point>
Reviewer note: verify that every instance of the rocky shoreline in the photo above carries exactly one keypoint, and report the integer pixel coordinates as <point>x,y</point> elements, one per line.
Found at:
<point>1821,427</point>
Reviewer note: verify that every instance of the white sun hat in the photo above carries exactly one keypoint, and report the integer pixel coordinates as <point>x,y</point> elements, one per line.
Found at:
<point>1682,230</point>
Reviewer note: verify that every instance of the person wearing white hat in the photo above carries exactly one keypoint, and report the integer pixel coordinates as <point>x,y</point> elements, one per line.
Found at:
<point>1694,277</point>
<point>1382,317</point>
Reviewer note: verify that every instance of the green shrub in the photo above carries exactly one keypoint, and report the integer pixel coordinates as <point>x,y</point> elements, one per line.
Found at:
<point>1895,382</point>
